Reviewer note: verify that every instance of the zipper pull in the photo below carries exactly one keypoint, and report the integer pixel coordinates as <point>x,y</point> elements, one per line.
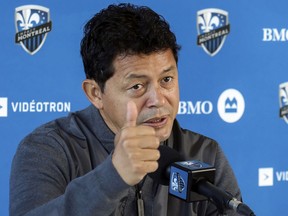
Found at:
<point>140,203</point>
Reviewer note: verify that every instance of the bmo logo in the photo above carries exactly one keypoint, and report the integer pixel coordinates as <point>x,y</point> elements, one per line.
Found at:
<point>273,34</point>
<point>196,108</point>
<point>230,106</point>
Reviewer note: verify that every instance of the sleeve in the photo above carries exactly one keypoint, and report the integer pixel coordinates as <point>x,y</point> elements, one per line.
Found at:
<point>224,179</point>
<point>41,184</point>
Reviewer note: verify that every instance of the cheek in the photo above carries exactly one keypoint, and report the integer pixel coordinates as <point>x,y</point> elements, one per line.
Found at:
<point>116,111</point>
<point>173,99</point>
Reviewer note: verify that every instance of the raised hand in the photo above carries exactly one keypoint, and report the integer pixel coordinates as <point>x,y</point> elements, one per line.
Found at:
<point>136,149</point>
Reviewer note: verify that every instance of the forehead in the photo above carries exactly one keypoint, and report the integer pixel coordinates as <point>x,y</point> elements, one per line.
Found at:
<point>137,64</point>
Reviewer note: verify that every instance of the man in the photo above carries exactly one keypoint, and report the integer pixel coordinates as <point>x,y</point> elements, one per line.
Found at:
<point>96,161</point>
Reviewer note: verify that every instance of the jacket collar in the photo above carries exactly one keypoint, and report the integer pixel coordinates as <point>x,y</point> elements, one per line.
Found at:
<point>90,120</point>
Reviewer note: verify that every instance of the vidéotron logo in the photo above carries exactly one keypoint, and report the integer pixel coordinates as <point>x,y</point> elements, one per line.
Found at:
<point>213,27</point>
<point>3,107</point>
<point>283,98</point>
<point>265,177</point>
<point>269,176</point>
<point>231,105</point>
<point>32,26</point>
<point>32,106</point>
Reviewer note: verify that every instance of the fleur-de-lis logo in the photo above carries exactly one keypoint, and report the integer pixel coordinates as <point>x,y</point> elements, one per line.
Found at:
<point>32,25</point>
<point>213,27</point>
<point>207,23</point>
<point>283,99</point>
<point>26,20</point>
<point>284,95</point>
<point>177,182</point>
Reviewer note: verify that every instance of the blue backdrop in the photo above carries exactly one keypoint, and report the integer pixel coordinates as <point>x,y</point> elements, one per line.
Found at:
<point>233,84</point>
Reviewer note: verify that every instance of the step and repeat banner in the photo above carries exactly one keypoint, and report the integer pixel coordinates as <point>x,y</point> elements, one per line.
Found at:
<point>233,72</point>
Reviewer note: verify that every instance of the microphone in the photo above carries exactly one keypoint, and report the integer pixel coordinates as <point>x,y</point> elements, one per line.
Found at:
<point>167,157</point>
<point>193,181</point>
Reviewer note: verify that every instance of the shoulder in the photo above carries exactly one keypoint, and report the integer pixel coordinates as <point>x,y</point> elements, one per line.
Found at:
<point>44,140</point>
<point>56,145</point>
<point>51,136</point>
<point>56,128</point>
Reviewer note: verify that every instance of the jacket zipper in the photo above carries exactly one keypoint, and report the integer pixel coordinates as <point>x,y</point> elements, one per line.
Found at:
<point>140,201</point>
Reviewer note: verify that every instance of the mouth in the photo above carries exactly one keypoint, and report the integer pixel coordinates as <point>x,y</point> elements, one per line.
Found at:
<point>157,122</point>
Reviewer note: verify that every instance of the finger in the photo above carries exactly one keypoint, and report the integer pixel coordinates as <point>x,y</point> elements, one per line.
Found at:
<point>143,167</point>
<point>151,166</point>
<point>144,155</point>
<point>150,142</point>
<point>131,114</point>
<point>137,132</point>
<point>149,155</point>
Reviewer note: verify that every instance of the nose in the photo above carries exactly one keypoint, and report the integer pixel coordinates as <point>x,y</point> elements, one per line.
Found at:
<point>155,97</point>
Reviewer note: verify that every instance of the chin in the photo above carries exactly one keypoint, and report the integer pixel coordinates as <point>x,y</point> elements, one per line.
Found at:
<point>163,134</point>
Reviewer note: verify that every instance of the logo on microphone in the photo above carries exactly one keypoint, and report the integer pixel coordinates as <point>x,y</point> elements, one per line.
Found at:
<point>191,164</point>
<point>213,28</point>
<point>177,182</point>
<point>3,107</point>
<point>265,177</point>
<point>283,99</point>
<point>231,105</point>
<point>32,26</point>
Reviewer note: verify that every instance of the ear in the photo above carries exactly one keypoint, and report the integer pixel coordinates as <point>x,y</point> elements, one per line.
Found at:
<point>93,92</point>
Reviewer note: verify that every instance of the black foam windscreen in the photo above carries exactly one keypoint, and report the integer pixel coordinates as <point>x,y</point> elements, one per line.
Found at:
<point>167,157</point>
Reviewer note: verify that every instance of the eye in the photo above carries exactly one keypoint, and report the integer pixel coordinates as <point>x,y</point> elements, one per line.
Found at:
<point>136,87</point>
<point>136,90</point>
<point>167,79</point>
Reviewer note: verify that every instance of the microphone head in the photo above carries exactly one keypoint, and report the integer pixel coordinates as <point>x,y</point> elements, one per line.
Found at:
<point>167,157</point>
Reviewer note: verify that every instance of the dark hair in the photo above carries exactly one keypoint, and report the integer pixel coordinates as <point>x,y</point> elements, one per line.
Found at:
<point>122,29</point>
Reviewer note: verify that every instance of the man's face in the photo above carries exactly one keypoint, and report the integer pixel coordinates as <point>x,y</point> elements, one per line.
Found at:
<point>151,82</point>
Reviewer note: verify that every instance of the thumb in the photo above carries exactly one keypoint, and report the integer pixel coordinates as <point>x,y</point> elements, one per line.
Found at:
<point>131,114</point>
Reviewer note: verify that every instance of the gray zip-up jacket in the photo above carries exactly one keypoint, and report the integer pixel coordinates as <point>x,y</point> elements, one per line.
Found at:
<point>64,168</point>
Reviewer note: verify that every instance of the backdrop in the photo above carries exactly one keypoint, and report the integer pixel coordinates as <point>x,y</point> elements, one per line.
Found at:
<point>233,80</point>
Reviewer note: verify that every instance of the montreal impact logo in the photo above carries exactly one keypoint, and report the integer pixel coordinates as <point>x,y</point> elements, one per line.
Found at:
<point>177,183</point>
<point>32,26</point>
<point>213,27</point>
<point>283,97</point>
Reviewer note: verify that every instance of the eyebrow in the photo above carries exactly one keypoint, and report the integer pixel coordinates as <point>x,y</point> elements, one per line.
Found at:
<point>139,76</point>
<point>172,67</point>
